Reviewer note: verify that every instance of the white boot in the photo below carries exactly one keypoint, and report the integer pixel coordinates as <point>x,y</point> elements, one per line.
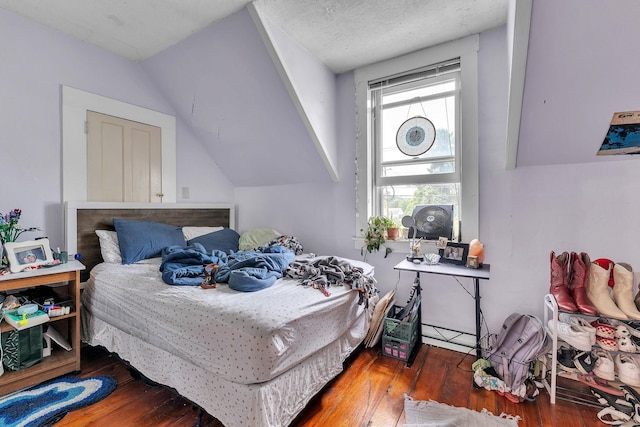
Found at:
<point>598,293</point>
<point>623,290</point>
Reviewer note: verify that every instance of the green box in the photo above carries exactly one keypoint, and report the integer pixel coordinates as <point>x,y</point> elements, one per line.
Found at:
<point>22,349</point>
<point>398,337</point>
<point>397,329</point>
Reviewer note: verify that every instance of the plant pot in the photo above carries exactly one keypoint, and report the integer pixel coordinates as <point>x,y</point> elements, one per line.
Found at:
<point>392,233</point>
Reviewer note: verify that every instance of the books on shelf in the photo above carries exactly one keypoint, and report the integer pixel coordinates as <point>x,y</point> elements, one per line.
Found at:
<point>24,321</point>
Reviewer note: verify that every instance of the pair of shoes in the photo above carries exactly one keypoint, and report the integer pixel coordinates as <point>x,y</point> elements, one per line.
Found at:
<point>569,282</point>
<point>581,323</point>
<point>601,384</point>
<point>566,358</point>
<point>604,328</point>
<point>625,365</point>
<point>612,416</point>
<point>627,344</point>
<point>623,330</point>
<point>633,397</point>
<point>628,369</point>
<point>584,362</point>
<point>572,335</point>
<point>604,367</point>
<point>623,290</point>
<point>619,303</point>
<point>619,403</point>
<point>633,326</point>
<point>609,344</point>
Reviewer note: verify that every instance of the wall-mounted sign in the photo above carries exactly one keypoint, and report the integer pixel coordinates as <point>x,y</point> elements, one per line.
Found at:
<point>623,136</point>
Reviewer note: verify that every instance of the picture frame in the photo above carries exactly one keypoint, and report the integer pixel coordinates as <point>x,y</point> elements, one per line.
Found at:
<point>30,253</point>
<point>472,262</point>
<point>454,253</point>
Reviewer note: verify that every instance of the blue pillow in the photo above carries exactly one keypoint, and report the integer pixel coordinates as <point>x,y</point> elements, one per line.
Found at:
<point>226,240</point>
<point>140,240</point>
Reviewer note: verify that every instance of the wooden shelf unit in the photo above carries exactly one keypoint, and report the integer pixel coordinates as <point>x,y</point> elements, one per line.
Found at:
<point>66,277</point>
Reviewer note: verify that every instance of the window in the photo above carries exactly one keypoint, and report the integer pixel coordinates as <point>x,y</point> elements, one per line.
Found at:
<point>423,168</point>
<point>440,84</point>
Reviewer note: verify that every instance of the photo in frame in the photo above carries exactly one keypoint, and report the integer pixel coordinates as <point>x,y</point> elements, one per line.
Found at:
<point>31,253</point>
<point>454,253</point>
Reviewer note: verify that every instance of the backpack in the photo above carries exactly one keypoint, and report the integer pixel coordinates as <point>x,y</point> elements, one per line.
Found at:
<point>521,340</point>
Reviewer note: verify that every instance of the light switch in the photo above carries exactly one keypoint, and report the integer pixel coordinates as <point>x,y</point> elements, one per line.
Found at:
<point>185,192</point>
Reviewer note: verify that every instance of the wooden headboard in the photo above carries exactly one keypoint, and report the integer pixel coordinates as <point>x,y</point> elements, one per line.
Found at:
<point>84,218</point>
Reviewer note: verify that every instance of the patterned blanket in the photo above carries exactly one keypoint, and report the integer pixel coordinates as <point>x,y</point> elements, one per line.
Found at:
<point>323,272</point>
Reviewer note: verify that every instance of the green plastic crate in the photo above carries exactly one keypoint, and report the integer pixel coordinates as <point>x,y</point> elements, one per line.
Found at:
<point>399,338</point>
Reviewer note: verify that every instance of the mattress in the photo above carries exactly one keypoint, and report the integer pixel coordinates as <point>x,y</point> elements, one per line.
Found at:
<point>241,337</point>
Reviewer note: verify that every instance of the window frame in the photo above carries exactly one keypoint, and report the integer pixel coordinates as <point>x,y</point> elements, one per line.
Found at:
<point>467,50</point>
<point>448,177</point>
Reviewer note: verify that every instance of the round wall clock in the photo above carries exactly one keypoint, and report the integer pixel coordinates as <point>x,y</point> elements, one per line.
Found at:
<point>416,136</point>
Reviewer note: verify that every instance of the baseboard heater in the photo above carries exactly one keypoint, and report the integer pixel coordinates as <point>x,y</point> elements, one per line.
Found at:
<point>450,339</point>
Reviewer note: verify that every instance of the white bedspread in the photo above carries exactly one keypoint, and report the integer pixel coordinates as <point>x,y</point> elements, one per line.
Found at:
<point>242,337</point>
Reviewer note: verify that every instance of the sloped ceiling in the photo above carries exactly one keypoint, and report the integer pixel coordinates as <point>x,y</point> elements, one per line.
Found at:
<point>225,88</point>
<point>344,34</point>
<point>208,59</point>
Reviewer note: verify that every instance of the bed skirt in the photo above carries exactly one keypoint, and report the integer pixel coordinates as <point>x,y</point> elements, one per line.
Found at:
<point>273,403</point>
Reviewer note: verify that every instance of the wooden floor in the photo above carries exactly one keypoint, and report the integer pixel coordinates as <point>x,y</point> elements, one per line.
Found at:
<point>369,393</point>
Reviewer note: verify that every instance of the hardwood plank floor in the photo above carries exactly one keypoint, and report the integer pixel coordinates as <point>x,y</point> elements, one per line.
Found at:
<point>369,393</point>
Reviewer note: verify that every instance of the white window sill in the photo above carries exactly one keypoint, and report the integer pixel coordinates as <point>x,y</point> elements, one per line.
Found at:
<point>401,246</point>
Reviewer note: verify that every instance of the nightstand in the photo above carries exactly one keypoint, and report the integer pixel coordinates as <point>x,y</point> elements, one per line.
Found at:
<point>66,278</point>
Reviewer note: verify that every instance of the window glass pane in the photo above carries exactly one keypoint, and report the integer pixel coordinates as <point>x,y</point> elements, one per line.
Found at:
<point>429,90</point>
<point>441,112</point>
<point>434,99</point>
<point>399,200</point>
<point>421,168</point>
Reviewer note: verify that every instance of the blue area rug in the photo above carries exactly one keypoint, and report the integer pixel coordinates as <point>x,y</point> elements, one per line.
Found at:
<point>48,402</point>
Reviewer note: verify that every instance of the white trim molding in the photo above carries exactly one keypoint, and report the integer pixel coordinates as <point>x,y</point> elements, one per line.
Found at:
<point>467,50</point>
<point>75,104</point>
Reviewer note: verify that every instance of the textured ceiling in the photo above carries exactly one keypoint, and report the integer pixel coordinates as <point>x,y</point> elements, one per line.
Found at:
<point>344,34</point>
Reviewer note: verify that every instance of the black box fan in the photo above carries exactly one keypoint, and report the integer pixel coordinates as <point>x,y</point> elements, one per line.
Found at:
<point>432,222</point>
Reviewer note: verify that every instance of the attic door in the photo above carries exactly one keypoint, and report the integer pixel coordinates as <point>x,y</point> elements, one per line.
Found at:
<point>124,160</point>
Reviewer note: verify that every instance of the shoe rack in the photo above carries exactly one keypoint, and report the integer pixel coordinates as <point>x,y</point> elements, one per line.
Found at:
<point>550,363</point>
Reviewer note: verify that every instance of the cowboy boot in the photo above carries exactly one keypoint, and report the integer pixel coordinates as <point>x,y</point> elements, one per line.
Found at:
<point>579,267</point>
<point>558,286</point>
<point>598,293</point>
<point>623,290</point>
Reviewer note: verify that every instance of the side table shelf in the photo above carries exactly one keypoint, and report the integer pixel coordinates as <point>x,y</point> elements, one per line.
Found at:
<point>60,362</point>
<point>451,270</point>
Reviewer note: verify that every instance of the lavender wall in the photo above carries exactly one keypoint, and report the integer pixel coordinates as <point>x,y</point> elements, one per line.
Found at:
<point>582,67</point>
<point>224,85</point>
<point>36,62</point>
<point>587,205</point>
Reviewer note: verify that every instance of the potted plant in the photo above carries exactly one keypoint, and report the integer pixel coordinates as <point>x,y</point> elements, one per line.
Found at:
<point>393,230</point>
<point>374,236</point>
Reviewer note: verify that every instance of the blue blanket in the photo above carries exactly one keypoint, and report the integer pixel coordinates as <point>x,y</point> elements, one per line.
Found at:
<point>246,271</point>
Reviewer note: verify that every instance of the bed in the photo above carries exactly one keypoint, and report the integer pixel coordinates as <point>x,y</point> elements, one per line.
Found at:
<point>247,358</point>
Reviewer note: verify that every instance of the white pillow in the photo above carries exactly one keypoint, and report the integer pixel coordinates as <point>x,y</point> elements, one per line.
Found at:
<point>193,232</point>
<point>109,246</point>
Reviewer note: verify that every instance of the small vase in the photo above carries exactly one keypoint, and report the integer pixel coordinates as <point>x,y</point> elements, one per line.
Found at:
<point>392,233</point>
